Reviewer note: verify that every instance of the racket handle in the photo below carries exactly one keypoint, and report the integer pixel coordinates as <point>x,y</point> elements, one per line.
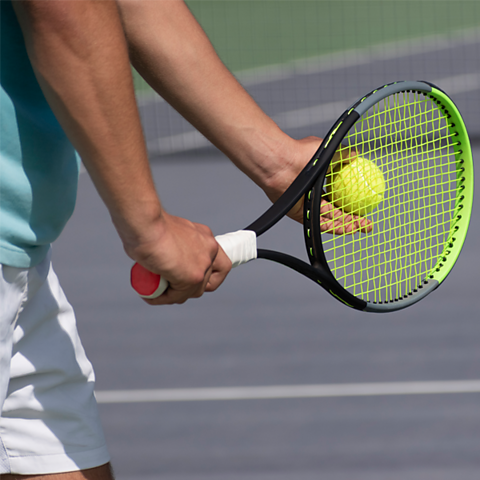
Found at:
<point>240,247</point>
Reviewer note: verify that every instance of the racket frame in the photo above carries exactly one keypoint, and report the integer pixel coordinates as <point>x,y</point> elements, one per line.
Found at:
<point>460,219</point>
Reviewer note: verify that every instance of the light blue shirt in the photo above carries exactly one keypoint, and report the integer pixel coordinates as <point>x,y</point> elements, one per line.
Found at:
<point>38,165</point>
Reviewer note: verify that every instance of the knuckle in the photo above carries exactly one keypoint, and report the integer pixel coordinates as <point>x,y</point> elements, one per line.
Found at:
<point>207,230</point>
<point>197,278</point>
<point>204,230</point>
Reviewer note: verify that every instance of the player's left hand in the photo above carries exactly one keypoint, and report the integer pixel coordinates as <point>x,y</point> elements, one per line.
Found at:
<point>332,220</point>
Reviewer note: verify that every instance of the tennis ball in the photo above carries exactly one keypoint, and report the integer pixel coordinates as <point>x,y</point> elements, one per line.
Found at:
<point>356,187</point>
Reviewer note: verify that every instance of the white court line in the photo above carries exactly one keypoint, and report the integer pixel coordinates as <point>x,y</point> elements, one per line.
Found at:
<point>316,114</point>
<point>331,111</point>
<point>288,391</point>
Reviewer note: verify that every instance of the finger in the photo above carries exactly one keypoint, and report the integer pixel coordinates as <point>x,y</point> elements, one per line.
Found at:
<point>221,267</point>
<point>200,291</point>
<point>178,293</point>
<point>174,297</point>
<point>345,225</point>
<point>171,297</point>
<point>334,220</point>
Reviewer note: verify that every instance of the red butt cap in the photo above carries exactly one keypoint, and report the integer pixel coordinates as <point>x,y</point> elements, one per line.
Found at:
<point>144,282</point>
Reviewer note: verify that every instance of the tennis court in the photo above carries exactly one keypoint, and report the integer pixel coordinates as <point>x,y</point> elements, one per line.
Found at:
<point>271,378</point>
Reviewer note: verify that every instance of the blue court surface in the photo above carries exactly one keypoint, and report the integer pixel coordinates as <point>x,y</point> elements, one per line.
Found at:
<point>270,377</point>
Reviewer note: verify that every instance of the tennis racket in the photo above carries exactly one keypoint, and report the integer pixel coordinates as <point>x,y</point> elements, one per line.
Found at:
<point>413,134</point>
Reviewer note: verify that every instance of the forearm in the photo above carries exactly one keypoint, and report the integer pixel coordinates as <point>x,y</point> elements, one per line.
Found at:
<point>171,51</point>
<point>79,54</point>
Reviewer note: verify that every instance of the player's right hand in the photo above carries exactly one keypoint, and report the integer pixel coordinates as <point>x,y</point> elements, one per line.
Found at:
<point>186,254</point>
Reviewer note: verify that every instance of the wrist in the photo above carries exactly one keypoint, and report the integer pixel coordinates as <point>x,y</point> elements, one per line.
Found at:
<point>141,228</point>
<point>266,156</point>
<point>289,162</point>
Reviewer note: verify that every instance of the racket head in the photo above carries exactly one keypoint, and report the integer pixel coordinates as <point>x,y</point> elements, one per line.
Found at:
<point>412,133</point>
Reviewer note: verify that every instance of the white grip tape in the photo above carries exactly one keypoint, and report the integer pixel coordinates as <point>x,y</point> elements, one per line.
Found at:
<point>240,247</point>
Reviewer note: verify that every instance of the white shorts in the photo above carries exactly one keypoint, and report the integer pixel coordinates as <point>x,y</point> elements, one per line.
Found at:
<point>49,421</point>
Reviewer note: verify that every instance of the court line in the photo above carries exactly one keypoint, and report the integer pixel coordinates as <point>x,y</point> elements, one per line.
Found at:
<point>316,114</point>
<point>288,391</point>
<point>331,111</point>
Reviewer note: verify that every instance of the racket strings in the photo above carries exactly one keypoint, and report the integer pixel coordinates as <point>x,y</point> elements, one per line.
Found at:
<point>374,256</point>
<point>399,237</point>
<point>397,168</point>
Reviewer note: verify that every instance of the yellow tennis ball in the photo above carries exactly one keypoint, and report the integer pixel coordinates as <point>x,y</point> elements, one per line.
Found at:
<point>356,187</point>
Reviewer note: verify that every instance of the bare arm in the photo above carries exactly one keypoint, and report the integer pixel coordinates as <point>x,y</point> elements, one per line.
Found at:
<point>79,54</point>
<point>171,51</point>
